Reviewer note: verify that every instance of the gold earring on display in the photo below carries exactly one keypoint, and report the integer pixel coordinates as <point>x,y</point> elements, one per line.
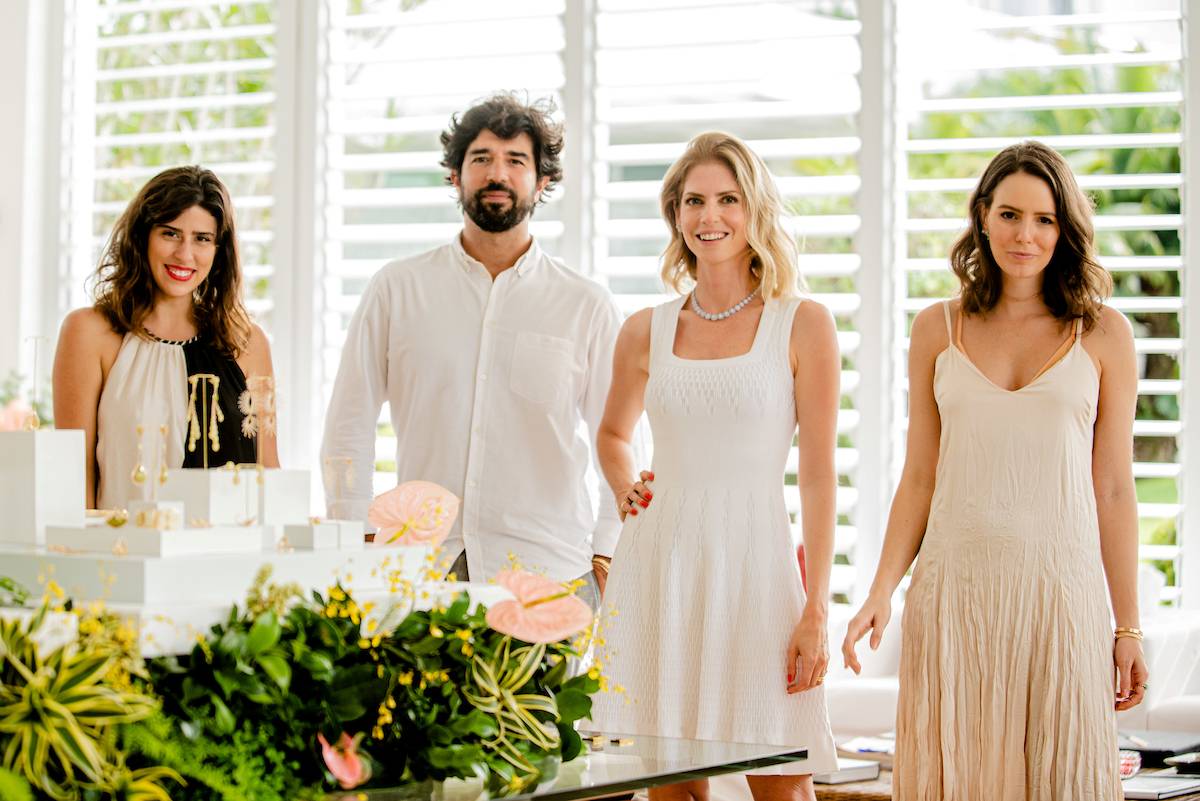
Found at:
<point>138,476</point>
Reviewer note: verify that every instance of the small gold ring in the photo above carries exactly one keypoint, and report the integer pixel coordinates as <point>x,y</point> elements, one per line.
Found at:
<point>819,680</point>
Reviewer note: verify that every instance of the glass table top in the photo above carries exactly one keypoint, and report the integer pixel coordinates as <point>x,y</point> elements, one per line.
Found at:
<point>643,762</point>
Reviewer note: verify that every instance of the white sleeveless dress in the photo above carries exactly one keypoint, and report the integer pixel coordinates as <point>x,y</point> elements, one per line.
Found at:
<point>705,581</point>
<point>1006,671</point>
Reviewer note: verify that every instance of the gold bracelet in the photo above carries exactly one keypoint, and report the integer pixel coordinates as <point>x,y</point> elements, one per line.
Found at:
<point>1127,631</point>
<point>602,563</point>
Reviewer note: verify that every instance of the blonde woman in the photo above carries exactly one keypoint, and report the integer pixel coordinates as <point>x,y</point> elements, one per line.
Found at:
<point>715,639</point>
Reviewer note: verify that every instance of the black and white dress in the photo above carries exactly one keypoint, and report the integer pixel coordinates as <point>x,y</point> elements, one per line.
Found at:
<point>149,385</point>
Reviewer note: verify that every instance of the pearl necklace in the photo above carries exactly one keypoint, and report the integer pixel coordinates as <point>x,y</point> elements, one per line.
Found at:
<point>734,309</point>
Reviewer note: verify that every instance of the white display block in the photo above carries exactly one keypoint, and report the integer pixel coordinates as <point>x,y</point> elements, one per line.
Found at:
<point>207,578</point>
<point>42,483</point>
<point>321,535</point>
<point>283,496</point>
<point>162,515</point>
<point>130,540</point>
<point>220,497</point>
<point>350,533</point>
<point>313,536</point>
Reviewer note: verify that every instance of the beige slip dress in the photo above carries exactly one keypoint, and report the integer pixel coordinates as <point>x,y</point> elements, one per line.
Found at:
<point>1006,675</point>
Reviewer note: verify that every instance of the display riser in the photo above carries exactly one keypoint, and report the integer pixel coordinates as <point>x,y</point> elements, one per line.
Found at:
<point>101,540</point>
<point>206,578</point>
<point>41,483</point>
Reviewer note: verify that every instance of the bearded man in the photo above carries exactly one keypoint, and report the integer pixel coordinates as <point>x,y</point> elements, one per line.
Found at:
<point>495,360</point>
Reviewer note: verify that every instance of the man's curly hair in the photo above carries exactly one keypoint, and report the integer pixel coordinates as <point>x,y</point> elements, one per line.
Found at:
<point>506,116</point>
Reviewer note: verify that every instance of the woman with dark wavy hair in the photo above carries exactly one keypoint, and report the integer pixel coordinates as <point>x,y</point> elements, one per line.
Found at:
<point>1017,501</point>
<point>168,309</point>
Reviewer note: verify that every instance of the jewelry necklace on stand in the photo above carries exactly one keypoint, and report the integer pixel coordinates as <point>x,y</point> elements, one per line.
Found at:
<point>732,310</point>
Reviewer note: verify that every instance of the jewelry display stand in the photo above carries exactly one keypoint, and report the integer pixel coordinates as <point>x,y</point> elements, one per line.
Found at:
<point>42,483</point>
<point>197,548</point>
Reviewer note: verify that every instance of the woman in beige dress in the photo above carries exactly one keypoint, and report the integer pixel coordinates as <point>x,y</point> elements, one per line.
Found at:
<point>1018,495</point>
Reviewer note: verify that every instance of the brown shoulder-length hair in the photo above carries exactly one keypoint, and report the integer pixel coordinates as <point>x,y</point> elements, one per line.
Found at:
<point>124,287</point>
<point>1073,284</point>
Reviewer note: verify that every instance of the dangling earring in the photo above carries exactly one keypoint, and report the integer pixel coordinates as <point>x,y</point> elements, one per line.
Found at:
<point>138,476</point>
<point>162,458</point>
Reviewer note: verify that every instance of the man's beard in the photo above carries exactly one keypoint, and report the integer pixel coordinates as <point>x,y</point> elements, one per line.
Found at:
<point>492,217</point>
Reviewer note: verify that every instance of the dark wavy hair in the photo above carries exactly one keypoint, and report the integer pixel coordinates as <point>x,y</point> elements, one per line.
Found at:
<point>506,116</point>
<point>1073,284</point>
<point>124,286</point>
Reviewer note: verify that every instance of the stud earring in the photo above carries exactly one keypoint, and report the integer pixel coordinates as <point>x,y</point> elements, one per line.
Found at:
<point>138,476</point>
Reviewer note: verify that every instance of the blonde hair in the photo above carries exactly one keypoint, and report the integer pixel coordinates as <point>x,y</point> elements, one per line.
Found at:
<point>774,253</point>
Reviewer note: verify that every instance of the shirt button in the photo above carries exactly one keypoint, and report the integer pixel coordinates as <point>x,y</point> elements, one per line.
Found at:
<point>483,376</point>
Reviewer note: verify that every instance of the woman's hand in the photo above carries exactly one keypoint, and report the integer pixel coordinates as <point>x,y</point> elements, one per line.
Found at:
<point>1132,674</point>
<point>807,654</point>
<point>873,617</point>
<point>636,495</point>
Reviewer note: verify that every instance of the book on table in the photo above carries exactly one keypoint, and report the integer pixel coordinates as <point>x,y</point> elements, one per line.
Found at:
<point>1166,784</point>
<point>880,749</point>
<point>850,770</point>
<point>1155,746</point>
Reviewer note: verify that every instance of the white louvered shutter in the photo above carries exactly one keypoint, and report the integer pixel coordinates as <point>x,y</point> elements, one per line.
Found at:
<point>1104,87</point>
<point>667,70</point>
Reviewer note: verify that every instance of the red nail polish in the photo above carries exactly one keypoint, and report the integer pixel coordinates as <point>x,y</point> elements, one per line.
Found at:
<point>633,512</point>
<point>649,494</point>
<point>645,504</point>
<point>651,477</point>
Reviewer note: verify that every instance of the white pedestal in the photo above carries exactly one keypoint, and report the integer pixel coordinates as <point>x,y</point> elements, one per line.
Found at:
<point>312,536</point>
<point>322,535</point>
<point>350,533</point>
<point>42,482</point>
<point>283,497</point>
<point>219,497</point>
<point>210,578</point>
<point>130,540</point>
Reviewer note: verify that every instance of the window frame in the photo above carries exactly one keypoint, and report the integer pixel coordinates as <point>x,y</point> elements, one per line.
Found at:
<point>300,246</point>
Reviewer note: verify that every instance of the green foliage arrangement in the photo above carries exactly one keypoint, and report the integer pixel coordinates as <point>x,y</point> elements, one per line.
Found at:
<point>301,694</point>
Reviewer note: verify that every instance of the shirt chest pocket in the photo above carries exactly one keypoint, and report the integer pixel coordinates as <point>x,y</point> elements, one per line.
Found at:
<point>542,367</point>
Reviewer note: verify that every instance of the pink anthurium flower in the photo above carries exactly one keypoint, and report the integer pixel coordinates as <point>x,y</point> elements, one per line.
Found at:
<point>414,513</point>
<point>344,761</point>
<point>15,415</point>
<point>543,611</point>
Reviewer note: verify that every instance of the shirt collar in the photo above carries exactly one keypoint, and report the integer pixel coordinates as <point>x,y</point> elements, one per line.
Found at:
<point>528,260</point>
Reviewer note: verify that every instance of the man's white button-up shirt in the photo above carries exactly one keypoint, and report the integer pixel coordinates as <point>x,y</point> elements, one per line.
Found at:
<point>496,390</point>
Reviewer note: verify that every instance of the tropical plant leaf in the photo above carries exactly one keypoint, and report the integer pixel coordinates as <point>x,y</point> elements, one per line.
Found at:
<point>572,705</point>
<point>263,634</point>
<point>277,668</point>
